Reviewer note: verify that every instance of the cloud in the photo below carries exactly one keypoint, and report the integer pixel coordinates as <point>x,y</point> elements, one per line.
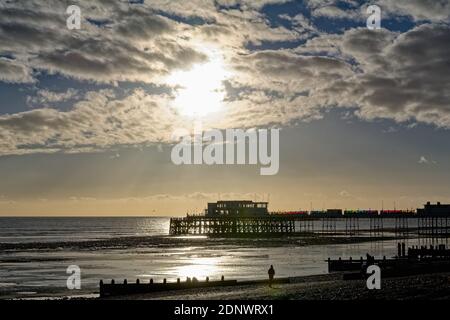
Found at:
<point>345,194</point>
<point>137,24</point>
<point>418,10</point>
<point>5,201</point>
<point>119,42</point>
<point>115,156</point>
<point>97,122</point>
<point>382,74</point>
<point>334,12</point>
<point>45,96</point>
<point>431,10</point>
<point>255,4</point>
<point>424,160</point>
<point>406,79</point>
<point>14,72</point>
<point>137,45</point>
<point>201,196</point>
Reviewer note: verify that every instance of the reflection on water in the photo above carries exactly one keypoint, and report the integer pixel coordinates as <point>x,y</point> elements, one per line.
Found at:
<point>191,237</point>
<point>198,267</point>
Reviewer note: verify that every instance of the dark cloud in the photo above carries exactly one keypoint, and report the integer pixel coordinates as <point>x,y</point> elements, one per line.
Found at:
<point>139,25</point>
<point>431,10</point>
<point>104,54</point>
<point>406,79</point>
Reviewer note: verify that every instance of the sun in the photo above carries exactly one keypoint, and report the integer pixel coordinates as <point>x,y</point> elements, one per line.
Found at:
<point>200,90</point>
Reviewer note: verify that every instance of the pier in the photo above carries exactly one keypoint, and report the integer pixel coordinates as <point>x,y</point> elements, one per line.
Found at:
<point>247,218</point>
<point>275,225</point>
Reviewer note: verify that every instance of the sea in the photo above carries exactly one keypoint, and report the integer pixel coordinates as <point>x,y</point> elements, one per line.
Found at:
<point>37,255</point>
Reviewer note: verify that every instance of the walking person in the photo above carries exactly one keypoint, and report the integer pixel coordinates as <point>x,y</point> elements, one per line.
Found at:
<point>271,273</point>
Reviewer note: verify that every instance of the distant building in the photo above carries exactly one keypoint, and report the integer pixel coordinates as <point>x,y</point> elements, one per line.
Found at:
<point>435,210</point>
<point>237,208</point>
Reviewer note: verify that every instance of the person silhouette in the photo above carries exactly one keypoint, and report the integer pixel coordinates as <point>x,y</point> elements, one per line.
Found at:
<point>271,273</point>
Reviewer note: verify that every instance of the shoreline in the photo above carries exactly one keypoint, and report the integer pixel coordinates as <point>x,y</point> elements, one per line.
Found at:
<point>320,287</point>
<point>331,286</point>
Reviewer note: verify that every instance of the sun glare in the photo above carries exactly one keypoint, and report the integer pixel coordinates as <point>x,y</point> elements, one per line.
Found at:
<point>199,268</point>
<point>200,90</point>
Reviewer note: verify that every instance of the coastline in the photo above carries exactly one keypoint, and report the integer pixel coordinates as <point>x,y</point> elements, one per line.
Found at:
<point>331,286</point>
<point>320,287</point>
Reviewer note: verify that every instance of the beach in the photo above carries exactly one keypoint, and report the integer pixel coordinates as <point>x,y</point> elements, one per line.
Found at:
<point>320,287</point>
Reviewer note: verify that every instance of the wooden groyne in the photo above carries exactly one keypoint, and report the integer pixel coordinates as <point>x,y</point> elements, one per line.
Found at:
<point>119,289</point>
<point>412,254</point>
<point>413,261</point>
<point>354,264</point>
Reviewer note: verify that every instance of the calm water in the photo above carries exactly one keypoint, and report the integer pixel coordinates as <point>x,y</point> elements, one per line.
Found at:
<point>77,229</point>
<point>39,251</point>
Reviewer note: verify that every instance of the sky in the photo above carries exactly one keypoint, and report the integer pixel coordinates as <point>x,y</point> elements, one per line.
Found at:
<point>87,115</point>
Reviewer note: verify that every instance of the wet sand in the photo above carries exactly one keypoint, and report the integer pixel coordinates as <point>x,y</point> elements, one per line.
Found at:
<point>171,241</point>
<point>321,287</point>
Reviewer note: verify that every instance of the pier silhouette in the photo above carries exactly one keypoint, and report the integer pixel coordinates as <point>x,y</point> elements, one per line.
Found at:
<point>247,218</point>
